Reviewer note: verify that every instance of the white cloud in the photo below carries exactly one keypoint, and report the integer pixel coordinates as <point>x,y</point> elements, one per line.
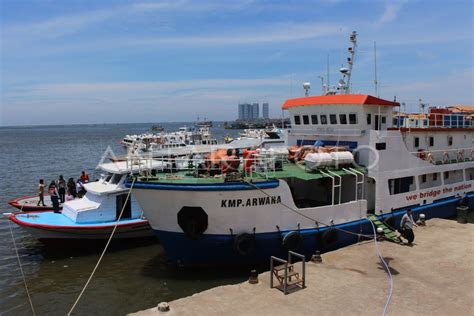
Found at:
<point>59,26</point>
<point>56,27</point>
<point>449,89</point>
<point>269,34</point>
<point>140,101</point>
<point>390,12</point>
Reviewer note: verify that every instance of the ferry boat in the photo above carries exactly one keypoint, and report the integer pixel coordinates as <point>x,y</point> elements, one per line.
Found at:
<point>184,136</point>
<point>93,216</point>
<point>203,123</point>
<point>348,160</point>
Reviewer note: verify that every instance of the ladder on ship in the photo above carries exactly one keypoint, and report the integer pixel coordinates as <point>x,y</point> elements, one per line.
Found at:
<point>388,233</point>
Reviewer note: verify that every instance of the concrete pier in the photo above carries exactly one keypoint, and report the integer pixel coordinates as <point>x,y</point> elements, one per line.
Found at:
<point>433,277</point>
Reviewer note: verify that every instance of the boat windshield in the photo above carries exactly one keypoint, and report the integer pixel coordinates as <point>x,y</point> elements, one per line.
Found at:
<point>115,179</point>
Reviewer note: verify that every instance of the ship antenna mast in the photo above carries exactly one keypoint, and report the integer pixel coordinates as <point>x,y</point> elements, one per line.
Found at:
<point>345,82</point>
<point>376,83</point>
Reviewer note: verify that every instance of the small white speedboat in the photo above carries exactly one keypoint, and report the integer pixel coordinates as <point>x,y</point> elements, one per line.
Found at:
<point>94,216</point>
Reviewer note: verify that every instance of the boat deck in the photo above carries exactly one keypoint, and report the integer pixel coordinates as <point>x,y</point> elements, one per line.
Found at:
<point>290,170</point>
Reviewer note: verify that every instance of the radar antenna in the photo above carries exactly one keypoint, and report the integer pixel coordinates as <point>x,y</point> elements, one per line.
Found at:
<point>306,87</point>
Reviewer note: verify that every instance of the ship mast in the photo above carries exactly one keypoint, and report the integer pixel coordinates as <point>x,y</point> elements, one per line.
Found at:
<point>344,86</point>
<point>345,82</point>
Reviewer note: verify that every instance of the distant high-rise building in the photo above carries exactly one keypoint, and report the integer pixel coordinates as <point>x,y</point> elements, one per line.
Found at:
<point>254,111</point>
<point>241,111</point>
<point>265,110</point>
<point>248,111</point>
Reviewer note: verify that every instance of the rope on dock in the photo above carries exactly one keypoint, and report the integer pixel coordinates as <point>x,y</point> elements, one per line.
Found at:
<point>387,268</point>
<point>21,269</point>
<point>103,252</point>
<point>389,297</point>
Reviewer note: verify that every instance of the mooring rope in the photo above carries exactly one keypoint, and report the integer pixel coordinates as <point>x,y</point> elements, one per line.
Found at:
<point>387,268</point>
<point>103,252</point>
<point>348,232</point>
<point>21,269</point>
<point>308,217</point>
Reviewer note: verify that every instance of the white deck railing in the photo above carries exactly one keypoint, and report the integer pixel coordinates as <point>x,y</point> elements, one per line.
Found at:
<point>257,167</point>
<point>441,120</point>
<point>326,131</point>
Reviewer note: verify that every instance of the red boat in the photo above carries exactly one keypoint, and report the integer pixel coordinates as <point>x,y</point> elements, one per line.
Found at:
<point>30,203</point>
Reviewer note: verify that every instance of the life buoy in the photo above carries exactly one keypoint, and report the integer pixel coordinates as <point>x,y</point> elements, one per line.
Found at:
<point>445,157</point>
<point>293,241</point>
<point>244,244</point>
<point>460,155</point>
<point>329,238</point>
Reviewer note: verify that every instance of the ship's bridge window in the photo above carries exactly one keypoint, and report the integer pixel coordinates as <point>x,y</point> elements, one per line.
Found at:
<point>314,119</point>
<point>297,120</point>
<point>401,185</point>
<point>353,118</point>
<point>333,119</point>
<point>342,119</point>
<point>324,119</point>
<point>417,142</point>
<point>305,119</point>
<point>369,119</point>
<point>431,141</point>
<point>384,120</point>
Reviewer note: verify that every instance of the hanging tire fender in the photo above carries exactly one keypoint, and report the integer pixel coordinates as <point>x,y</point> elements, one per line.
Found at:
<point>244,244</point>
<point>329,238</point>
<point>292,241</point>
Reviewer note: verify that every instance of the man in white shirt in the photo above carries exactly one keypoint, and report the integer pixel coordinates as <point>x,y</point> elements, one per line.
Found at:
<point>406,226</point>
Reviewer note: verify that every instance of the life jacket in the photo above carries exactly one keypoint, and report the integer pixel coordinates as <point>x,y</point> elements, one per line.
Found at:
<point>215,157</point>
<point>249,159</point>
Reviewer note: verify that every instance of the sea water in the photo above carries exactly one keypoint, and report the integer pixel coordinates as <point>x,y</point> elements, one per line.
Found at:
<point>130,278</point>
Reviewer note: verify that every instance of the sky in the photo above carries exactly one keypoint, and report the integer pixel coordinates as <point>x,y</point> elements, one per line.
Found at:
<point>73,62</point>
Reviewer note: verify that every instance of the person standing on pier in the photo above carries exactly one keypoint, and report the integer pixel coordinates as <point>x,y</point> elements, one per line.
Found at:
<point>41,192</point>
<point>406,226</point>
